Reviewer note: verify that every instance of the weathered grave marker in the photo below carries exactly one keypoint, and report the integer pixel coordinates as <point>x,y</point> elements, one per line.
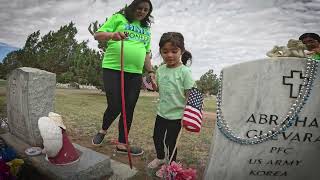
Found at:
<point>258,101</point>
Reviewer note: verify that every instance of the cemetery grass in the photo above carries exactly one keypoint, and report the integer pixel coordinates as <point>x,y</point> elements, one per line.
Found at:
<point>82,112</point>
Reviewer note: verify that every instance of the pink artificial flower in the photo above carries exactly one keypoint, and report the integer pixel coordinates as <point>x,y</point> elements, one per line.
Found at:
<point>168,172</point>
<point>174,171</point>
<point>175,167</point>
<point>189,174</point>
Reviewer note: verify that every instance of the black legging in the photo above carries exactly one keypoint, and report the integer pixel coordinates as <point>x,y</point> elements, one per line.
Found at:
<point>161,126</point>
<point>112,86</point>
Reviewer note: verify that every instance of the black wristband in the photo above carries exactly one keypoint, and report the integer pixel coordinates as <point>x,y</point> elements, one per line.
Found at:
<point>150,72</point>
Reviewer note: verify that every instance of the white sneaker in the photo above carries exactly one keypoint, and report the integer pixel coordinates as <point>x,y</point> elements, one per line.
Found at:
<point>156,163</point>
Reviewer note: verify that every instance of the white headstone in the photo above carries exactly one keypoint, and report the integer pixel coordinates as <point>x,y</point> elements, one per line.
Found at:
<point>256,96</point>
<point>30,96</point>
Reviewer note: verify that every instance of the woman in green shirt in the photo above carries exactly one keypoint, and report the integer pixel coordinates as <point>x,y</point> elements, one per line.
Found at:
<point>132,25</point>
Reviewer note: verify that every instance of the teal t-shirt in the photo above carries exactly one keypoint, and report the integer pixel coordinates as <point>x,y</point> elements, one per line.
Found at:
<point>172,83</point>
<point>135,46</point>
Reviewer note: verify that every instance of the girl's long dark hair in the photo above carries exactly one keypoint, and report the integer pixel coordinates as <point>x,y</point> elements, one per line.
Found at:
<point>177,40</point>
<point>128,12</point>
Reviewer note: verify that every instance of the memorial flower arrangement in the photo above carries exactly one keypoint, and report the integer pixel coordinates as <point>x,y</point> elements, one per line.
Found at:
<point>172,170</point>
<point>175,171</point>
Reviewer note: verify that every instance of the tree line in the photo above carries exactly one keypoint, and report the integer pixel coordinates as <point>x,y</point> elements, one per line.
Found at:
<point>58,52</point>
<point>72,61</point>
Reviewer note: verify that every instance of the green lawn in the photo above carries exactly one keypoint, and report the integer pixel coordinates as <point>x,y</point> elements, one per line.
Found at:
<point>3,83</point>
<point>210,104</point>
<point>82,112</point>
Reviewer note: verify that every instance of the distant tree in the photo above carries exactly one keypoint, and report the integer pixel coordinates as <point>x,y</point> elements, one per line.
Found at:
<point>56,49</point>
<point>60,53</point>
<point>30,52</point>
<point>208,83</point>
<point>1,70</point>
<point>10,62</point>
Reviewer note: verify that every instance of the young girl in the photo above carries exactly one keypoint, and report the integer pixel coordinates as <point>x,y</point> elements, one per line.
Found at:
<point>173,80</point>
<point>132,24</point>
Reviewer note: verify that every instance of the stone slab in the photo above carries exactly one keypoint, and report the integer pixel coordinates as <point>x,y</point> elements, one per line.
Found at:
<point>122,171</point>
<point>92,165</point>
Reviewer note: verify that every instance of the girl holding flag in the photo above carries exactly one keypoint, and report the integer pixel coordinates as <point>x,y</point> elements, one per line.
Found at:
<point>174,81</point>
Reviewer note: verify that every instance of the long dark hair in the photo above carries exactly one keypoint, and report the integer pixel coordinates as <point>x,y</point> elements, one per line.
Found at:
<point>177,40</point>
<point>128,12</point>
<point>310,35</point>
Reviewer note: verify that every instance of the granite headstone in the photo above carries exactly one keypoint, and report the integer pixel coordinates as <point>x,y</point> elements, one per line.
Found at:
<point>256,96</point>
<point>30,96</point>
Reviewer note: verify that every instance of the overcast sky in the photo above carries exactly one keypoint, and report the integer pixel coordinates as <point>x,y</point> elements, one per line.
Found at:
<point>218,33</point>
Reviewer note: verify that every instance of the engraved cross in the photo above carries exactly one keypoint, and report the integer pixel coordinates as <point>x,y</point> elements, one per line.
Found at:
<point>295,81</point>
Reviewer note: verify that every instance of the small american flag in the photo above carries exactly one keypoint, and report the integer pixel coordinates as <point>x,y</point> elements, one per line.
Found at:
<point>192,115</point>
<point>147,83</point>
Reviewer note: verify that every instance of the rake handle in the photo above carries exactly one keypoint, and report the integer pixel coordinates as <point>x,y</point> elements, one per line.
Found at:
<point>123,103</point>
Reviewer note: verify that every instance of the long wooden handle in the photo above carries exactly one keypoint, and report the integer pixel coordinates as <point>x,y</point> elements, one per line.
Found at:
<point>123,102</point>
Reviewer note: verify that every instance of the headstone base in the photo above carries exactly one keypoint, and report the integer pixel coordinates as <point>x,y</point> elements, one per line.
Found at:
<point>92,165</point>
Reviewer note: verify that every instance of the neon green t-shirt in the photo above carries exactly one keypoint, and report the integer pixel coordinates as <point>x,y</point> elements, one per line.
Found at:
<point>172,83</point>
<point>316,56</point>
<point>135,46</point>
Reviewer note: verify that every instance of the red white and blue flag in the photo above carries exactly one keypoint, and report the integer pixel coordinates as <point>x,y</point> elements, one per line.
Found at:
<point>192,115</point>
<point>147,83</point>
